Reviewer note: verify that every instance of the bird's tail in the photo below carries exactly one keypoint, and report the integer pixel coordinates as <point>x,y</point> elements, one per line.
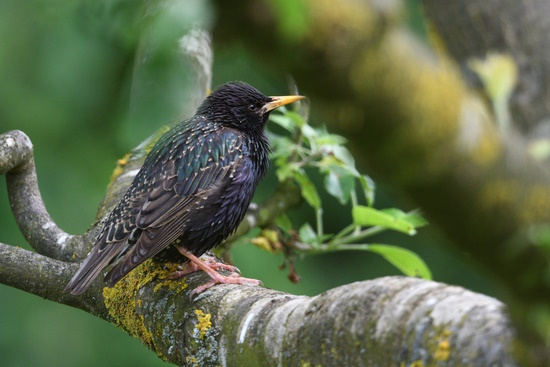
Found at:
<point>91,267</point>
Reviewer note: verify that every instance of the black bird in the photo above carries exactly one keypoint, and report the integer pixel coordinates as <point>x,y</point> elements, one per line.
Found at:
<point>192,191</point>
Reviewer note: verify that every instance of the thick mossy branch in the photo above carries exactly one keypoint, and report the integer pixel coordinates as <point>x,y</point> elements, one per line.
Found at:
<point>402,320</point>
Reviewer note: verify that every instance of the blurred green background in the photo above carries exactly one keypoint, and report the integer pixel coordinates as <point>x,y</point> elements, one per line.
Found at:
<point>68,80</point>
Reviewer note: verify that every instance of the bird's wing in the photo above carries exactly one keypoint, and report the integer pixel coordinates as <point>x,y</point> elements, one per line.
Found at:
<point>153,214</point>
<point>171,203</point>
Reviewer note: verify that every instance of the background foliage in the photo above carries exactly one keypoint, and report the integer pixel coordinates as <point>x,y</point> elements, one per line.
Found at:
<point>68,82</point>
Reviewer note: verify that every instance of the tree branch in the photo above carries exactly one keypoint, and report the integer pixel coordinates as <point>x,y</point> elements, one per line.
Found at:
<point>402,320</point>
<point>44,277</point>
<point>40,231</point>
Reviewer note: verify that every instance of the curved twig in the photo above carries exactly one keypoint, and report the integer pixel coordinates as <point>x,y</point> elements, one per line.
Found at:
<point>41,232</point>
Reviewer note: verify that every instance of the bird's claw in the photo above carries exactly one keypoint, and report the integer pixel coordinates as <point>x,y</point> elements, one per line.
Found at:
<point>230,279</point>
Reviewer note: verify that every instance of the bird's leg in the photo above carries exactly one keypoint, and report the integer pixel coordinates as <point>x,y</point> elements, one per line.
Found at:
<point>191,267</point>
<point>210,268</point>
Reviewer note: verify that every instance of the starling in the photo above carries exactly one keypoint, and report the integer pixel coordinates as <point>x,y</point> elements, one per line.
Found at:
<point>192,191</point>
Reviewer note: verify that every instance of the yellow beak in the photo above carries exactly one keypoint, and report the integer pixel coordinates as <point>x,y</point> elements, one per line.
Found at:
<point>279,101</point>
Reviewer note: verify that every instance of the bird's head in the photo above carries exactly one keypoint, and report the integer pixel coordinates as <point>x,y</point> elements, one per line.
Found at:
<point>241,106</point>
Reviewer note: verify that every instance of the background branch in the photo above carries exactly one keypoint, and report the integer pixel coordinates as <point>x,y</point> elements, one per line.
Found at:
<point>471,29</point>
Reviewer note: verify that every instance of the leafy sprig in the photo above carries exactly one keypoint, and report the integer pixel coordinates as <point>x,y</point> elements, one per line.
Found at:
<point>302,148</point>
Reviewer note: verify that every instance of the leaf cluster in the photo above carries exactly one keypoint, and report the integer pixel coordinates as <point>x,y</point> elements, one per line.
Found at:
<point>301,149</point>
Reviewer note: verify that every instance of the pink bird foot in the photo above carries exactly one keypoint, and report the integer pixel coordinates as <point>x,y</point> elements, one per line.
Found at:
<point>210,267</point>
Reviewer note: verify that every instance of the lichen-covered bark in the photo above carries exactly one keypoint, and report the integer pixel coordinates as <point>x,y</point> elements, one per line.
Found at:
<point>388,320</point>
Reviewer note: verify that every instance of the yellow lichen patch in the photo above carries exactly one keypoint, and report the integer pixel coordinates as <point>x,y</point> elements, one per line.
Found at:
<point>443,351</point>
<point>178,286</point>
<point>120,166</point>
<point>536,206</point>
<point>191,361</point>
<point>432,119</point>
<point>122,161</point>
<point>172,284</point>
<point>500,193</point>
<point>122,303</point>
<point>350,19</point>
<point>203,322</point>
<point>423,88</point>
<point>417,364</point>
<point>487,150</point>
<point>416,95</point>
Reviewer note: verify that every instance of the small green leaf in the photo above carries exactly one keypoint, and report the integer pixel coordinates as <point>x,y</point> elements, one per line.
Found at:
<point>284,223</point>
<point>283,121</point>
<point>414,219</point>
<point>309,192</point>
<point>282,147</point>
<point>286,170</point>
<point>296,118</point>
<point>331,139</point>
<point>339,183</point>
<point>367,216</point>
<point>368,186</point>
<point>394,212</point>
<point>343,155</point>
<point>310,134</point>
<point>307,234</point>
<point>405,260</point>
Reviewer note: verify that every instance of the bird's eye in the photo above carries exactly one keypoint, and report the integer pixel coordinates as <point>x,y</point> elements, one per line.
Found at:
<point>252,107</point>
